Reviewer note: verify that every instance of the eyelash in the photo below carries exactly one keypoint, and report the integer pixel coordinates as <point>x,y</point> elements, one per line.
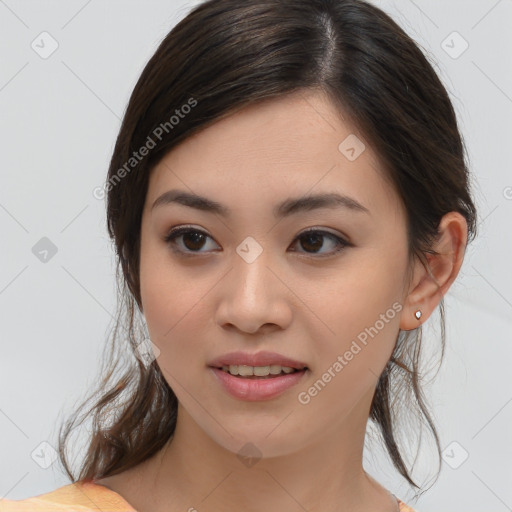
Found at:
<point>183,230</point>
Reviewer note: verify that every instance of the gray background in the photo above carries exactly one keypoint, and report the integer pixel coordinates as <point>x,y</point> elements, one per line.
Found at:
<point>59,119</point>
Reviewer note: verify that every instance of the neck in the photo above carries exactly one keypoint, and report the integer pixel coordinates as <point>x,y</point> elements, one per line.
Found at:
<point>193,472</point>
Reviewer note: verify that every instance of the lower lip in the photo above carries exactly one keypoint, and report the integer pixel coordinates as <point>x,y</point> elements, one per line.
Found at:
<point>257,389</point>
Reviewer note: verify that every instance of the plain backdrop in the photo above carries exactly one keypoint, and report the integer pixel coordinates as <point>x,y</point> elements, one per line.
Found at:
<point>59,116</point>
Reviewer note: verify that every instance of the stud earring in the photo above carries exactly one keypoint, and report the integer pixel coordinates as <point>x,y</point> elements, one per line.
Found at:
<point>418,314</point>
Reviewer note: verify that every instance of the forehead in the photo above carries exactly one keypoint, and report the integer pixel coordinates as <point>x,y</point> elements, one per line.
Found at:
<point>286,146</point>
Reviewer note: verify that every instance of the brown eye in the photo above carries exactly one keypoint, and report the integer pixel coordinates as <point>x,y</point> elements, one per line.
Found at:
<point>314,240</point>
<point>192,240</point>
<point>189,241</point>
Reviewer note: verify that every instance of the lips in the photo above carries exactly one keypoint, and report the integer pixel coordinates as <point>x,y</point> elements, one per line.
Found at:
<point>259,389</point>
<point>258,359</point>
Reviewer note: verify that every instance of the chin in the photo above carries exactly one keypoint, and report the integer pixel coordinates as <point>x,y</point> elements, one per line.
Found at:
<point>259,440</point>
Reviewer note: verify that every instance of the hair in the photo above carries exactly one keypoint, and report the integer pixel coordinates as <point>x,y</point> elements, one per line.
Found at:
<point>223,56</point>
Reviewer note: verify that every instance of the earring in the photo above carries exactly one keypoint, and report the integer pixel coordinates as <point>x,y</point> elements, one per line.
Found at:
<point>418,314</point>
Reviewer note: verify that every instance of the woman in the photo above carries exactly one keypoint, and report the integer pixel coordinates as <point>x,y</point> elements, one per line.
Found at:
<point>289,202</point>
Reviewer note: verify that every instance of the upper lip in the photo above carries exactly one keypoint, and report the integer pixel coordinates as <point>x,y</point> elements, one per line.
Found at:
<point>258,359</point>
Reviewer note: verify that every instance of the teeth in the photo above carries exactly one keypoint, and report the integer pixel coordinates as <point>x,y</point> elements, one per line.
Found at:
<point>261,371</point>
<point>258,371</point>
<point>275,369</point>
<point>244,371</point>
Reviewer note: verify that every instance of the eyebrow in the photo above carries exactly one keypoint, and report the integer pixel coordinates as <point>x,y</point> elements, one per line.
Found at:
<point>283,209</point>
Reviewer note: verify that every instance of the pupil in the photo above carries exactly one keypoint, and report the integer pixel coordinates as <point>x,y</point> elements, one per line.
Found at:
<point>196,238</point>
<point>316,238</point>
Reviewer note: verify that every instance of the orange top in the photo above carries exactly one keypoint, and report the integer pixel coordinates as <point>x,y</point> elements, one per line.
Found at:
<point>83,497</point>
<point>77,497</point>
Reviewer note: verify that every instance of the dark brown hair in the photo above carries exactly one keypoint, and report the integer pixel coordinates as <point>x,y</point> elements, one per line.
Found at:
<point>223,56</point>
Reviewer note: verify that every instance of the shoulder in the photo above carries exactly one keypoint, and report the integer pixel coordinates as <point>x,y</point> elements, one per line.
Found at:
<point>404,508</point>
<point>75,497</point>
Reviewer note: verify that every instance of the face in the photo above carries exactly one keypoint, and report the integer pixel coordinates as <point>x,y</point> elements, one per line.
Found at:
<point>248,277</point>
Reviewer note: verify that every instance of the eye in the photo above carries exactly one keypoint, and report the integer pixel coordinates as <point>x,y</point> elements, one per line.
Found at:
<point>187,241</point>
<point>192,239</point>
<point>313,240</point>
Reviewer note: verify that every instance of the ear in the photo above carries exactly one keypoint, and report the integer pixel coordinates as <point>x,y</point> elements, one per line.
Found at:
<point>432,279</point>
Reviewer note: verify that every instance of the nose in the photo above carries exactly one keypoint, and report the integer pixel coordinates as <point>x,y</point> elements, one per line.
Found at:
<point>254,297</point>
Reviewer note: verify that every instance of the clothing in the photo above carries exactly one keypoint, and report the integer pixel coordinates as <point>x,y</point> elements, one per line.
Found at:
<point>83,497</point>
<point>76,497</point>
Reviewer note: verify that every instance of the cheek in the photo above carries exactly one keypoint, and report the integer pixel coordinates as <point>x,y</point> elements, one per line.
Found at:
<point>363,317</point>
<point>174,306</point>
<point>363,310</point>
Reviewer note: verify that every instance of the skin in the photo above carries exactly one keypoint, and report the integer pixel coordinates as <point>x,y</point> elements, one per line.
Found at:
<point>289,300</point>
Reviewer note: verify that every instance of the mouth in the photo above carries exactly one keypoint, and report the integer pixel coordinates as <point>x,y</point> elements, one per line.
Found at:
<point>260,364</point>
<point>257,376</point>
<point>259,372</point>
<point>257,387</point>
